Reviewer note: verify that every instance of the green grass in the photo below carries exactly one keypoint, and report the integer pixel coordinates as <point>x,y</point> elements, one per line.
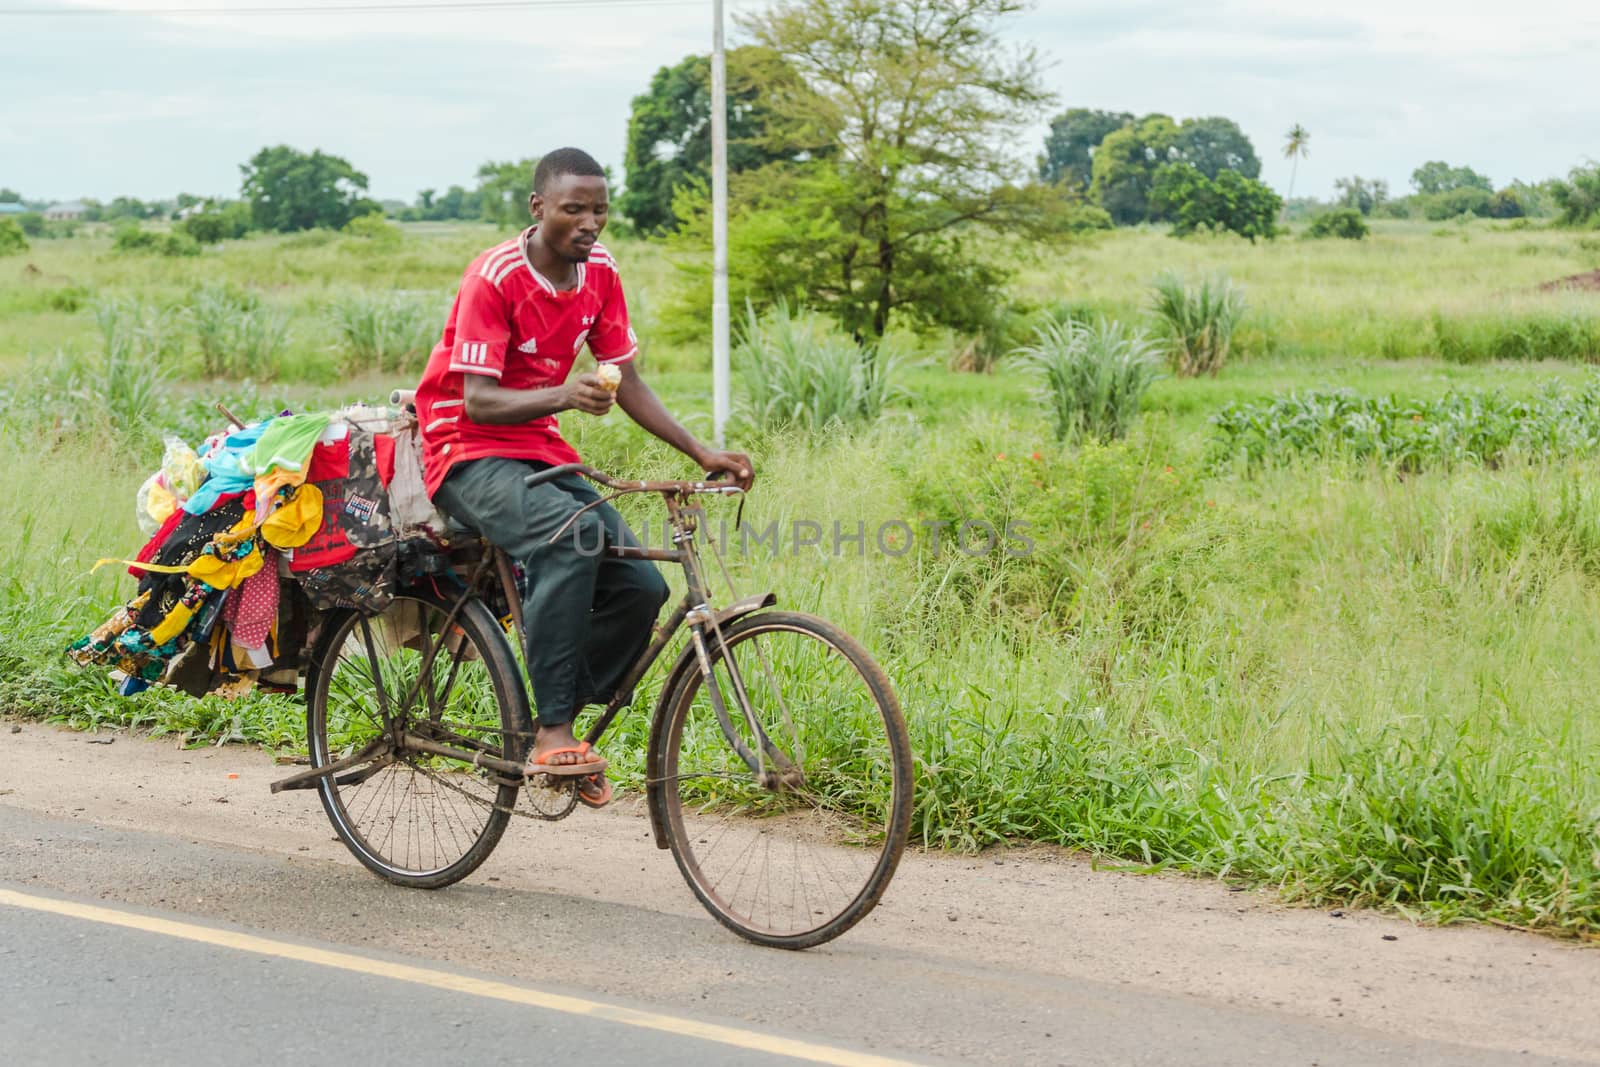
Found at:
<point>1321,673</point>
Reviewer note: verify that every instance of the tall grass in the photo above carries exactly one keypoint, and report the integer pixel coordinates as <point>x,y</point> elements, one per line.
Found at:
<point>1092,377</point>
<point>387,331</point>
<point>798,370</point>
<point>238,335</point>
<point>1198,322</point>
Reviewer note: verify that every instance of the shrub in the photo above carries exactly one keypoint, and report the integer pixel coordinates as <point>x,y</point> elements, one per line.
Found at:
<point>798,369</point>
<point>129,236</point>
<point>386,331</point>
<point>1198,323</point>
<point>218,223</point>
<point>32,223</point>
<point>1578,198</point>
<point>12,239</point>
<point>178,244</point>
<point>1467,200</point>
<point>238,336</point>
<point>1230,201</point>
<point>374,228</point>
<point>1093,376</point>
<point>1344,222</point>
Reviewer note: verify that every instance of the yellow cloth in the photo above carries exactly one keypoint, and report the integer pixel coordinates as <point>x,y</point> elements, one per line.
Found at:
<point>296,520</point>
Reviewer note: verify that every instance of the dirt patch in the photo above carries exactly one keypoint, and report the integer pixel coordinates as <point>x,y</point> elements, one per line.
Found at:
<point>1588,282</point>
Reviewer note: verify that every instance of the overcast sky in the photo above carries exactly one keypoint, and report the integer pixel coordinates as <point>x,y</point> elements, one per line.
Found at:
<point>152,105</point>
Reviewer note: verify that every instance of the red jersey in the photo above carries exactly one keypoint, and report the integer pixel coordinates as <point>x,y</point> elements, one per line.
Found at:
<point>509,322</point>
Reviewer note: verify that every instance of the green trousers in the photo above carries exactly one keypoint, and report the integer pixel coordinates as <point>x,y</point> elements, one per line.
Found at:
<point>588,615</point>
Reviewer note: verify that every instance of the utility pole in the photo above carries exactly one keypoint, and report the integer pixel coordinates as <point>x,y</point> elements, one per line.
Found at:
<point>720,391</point>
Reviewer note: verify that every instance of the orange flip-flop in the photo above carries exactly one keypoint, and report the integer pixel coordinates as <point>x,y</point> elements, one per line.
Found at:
<point>565,770</point>
<point>596,801</point>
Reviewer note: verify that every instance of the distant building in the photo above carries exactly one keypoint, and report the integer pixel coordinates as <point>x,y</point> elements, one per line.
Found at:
<point>12,209</point>
<point>71,211</point>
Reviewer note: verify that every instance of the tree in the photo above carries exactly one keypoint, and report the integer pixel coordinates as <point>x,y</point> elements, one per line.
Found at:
<point>1436,177</point>
<point>289,190</point>
<point>10,196</point>
<point>1577,199</point>
<point>1125,167</point>
<point>1230,201</point>
<point>917,95</point>
<point>503,190</point>
<point>1359,193</point>
<point>1214,145</point>
<point>1070,146</point>
<point>1296,146</point>
<point>669,130</point>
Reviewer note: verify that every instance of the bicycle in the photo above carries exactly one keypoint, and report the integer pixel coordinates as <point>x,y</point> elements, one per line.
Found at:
<point>778,768</point>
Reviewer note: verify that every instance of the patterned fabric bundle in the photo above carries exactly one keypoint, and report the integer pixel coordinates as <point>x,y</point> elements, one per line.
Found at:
<point>315,501</point>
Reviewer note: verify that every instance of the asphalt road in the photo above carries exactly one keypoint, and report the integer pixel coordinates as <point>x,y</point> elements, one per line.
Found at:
<point>131,947</point>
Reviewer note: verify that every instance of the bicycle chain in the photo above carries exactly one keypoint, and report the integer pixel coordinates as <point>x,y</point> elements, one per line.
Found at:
<point>537,814</point>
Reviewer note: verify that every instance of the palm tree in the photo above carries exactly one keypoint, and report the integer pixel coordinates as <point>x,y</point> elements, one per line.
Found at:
<point>1295,149</point>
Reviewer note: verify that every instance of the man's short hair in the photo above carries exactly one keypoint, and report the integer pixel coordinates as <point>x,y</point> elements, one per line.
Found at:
<point>564,161</point>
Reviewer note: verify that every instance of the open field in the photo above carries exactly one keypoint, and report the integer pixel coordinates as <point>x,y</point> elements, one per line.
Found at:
<point>1356,682</point>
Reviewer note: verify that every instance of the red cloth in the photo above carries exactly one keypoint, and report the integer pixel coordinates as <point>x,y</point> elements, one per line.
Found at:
<point>383,452</point>
<point>329,461</point>
<point>510,323</point>
<point>252,606</point>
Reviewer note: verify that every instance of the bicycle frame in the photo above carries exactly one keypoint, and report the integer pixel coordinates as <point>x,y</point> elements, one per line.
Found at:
<point>694,610</point>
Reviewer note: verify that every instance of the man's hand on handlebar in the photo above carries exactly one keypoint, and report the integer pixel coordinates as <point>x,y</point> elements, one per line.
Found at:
<point>735,465</point>
<point>586,394</point>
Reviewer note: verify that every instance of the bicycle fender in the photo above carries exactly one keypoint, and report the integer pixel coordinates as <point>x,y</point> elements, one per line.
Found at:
<point>655,796</point>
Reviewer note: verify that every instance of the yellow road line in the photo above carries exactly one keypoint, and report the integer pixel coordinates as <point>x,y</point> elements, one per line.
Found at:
<point>456,983</point>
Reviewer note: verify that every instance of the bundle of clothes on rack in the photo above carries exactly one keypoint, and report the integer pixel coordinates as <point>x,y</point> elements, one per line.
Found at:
<point>252,534</point>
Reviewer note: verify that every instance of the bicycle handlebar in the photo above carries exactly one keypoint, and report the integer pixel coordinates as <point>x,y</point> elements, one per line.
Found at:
<point>602,478</point>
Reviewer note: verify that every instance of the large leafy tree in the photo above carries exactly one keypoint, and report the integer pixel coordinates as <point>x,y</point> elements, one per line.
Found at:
<point>1069,147</point>
<point>920,98</point>
<point>1437,176</point>
<point>669,130</point>
<point>1216,144</point>
<point>291,190</point>
<point>1125,167</point>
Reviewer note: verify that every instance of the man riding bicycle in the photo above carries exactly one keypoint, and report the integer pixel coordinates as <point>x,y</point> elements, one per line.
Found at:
<point>488,403</point>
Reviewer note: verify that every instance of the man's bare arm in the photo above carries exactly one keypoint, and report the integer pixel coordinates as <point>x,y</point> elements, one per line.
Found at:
<point>490,403</point>
<point>645,408</point>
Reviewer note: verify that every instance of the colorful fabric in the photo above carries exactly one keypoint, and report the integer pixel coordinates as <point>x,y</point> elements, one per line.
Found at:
<point>510,323</point>
<point>296,519</point>
<point>284,447</point>
<point>355,513</point>
<point>253,608</point>
<point>225,468</point>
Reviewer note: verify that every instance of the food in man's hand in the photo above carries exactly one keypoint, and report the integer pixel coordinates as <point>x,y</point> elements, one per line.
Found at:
<point>610,377</point>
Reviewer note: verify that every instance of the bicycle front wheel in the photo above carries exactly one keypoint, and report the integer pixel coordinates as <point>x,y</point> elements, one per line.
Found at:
<point>411,817</point>
<point>788,807</point>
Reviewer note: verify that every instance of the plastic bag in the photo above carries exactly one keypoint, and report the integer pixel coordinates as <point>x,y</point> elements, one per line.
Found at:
<point>181,472</point>
<point>153,504</point>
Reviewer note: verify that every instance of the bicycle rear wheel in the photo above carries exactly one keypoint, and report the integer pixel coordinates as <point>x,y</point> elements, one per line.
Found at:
<point>799,848</point>
<point>413,818</point>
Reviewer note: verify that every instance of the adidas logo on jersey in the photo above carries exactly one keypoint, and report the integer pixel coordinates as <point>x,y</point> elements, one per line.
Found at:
<point>530,346</point>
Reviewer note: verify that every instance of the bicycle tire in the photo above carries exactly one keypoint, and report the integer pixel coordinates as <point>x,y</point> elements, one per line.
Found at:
<point>334,698</point>
<point>770,814</point>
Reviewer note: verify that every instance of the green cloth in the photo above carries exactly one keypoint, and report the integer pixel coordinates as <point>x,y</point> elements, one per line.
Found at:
<point>286,444</point>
